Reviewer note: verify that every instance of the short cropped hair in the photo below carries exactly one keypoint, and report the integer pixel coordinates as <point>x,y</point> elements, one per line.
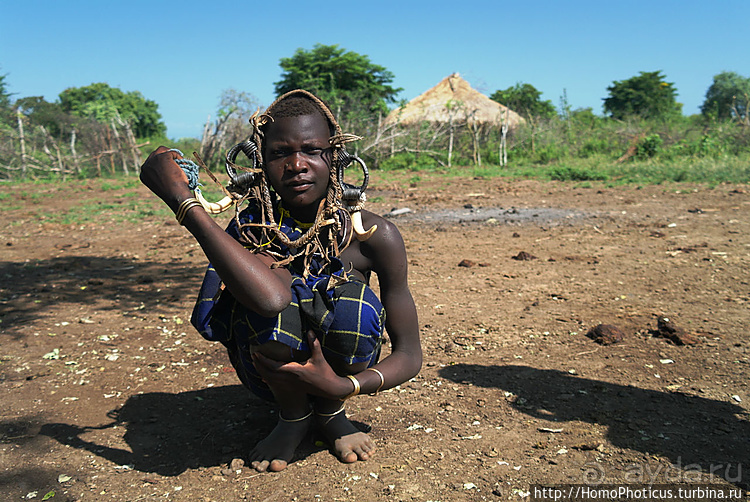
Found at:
<point>298,105</point>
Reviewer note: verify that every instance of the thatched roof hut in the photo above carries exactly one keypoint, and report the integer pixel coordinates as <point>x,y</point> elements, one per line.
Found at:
<point>453,99</point>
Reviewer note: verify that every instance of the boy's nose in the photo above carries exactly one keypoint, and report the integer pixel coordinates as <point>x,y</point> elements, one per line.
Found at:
<point>295,162</point>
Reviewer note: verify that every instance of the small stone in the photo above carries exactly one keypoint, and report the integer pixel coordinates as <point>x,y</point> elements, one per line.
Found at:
<point>237,464</point>
<point>606,334</point>
<point>467,263</point>
<point>496,491</point>
<point>523,256</point>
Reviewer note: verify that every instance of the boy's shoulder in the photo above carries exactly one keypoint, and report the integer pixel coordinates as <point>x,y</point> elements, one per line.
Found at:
<point>387,232</point>
<point>385,249</point>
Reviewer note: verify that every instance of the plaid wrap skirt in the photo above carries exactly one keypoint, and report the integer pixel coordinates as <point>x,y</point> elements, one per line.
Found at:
<point>347,318</point>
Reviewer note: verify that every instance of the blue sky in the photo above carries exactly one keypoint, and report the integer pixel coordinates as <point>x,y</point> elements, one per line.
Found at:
<point>183,54</point>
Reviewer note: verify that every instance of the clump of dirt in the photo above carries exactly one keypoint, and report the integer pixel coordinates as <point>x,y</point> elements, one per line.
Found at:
<point>606,334</point>
<point>665,328</point>
<point>524,256</point>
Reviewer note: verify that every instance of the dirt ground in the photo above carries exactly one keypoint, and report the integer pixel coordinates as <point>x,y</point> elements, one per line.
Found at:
<point>109,394</point>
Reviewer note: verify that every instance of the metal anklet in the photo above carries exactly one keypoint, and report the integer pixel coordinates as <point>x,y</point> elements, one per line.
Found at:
<point>328,415</point>
<point>292,420</point>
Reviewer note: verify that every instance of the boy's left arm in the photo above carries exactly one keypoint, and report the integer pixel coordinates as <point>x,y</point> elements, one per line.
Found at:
<point>388,254</point>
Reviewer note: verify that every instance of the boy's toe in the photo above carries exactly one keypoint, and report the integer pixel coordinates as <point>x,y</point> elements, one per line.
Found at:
<point>348,456</point>
<point>277,465</point>
<point>260,466</point>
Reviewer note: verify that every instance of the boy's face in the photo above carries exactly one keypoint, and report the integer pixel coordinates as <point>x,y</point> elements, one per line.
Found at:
<point>297,159</point>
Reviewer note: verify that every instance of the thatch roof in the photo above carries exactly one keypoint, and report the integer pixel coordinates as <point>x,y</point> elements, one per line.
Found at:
<point>454,96</point>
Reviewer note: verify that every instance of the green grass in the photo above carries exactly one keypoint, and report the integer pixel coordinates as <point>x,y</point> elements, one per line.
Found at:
<point>123,199</point>
<point>600,169</point>
<point>130,211</point>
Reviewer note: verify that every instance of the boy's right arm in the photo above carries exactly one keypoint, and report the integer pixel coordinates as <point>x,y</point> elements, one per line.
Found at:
<point>247,276</point>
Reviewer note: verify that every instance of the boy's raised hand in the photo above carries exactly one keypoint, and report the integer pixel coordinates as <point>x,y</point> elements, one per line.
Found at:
<point>161,174</point>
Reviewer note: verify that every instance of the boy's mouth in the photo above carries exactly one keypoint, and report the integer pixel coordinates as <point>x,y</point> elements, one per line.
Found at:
<point>299,185</point>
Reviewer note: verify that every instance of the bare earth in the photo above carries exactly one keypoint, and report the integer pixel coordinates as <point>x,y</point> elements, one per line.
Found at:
<point>108,393</point>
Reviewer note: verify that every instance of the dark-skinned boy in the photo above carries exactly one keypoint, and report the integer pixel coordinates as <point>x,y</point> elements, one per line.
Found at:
<point>296,155</point>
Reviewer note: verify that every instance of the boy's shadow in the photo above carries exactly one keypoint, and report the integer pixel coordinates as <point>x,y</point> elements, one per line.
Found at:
<point>171,433</point>
<point>696,434</point>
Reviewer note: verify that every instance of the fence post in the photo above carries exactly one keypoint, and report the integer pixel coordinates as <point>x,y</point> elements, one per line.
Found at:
<point>73,151</point>
<point>22,139</point>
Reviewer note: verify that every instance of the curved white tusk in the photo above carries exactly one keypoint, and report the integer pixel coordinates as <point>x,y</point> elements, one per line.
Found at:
<point>359,230</point>
<point>214,207</point>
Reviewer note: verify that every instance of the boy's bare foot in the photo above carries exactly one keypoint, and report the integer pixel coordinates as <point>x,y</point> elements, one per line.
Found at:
<point>277,449</point>
<point>349,443</point>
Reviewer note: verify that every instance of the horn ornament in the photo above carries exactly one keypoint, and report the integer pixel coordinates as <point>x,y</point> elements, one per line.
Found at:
<point>214,207</point>
<point>359,230</point>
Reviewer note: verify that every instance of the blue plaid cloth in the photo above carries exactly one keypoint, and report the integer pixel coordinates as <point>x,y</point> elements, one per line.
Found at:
<point>347,318</point>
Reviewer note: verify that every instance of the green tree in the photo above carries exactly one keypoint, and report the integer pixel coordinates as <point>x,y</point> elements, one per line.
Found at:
<point>349,82</point>
<point>525,100</point>
<point>5,104</point>
<point>41,112</point>
<point>4,94</point>
<point>728,97</point>
<point>646,95</point>
<point>102,102</point>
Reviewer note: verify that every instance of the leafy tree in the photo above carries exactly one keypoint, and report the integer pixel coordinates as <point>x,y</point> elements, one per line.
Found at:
<point>525,100</point>
<point>5,105</point>
<point>349,82</point>
<point>728,97</point>
<point>4,94</point>
<point>584,116</point>
<point>41,112</point>
<point>102,103</point>
<point>646,95</point>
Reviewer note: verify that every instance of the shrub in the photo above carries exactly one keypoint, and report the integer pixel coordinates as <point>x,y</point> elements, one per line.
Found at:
<point>550,152</point>
<point>649,146</point>
<point>576,173</point>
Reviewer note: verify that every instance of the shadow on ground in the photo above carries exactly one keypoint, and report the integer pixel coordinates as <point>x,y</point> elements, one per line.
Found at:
<point>696,434</point>
<point>168,433</point>
<point>27,290</point>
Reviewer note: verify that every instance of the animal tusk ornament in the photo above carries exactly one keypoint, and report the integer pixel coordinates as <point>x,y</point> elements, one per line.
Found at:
<point>214,207</point>
<point>359,230</point>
